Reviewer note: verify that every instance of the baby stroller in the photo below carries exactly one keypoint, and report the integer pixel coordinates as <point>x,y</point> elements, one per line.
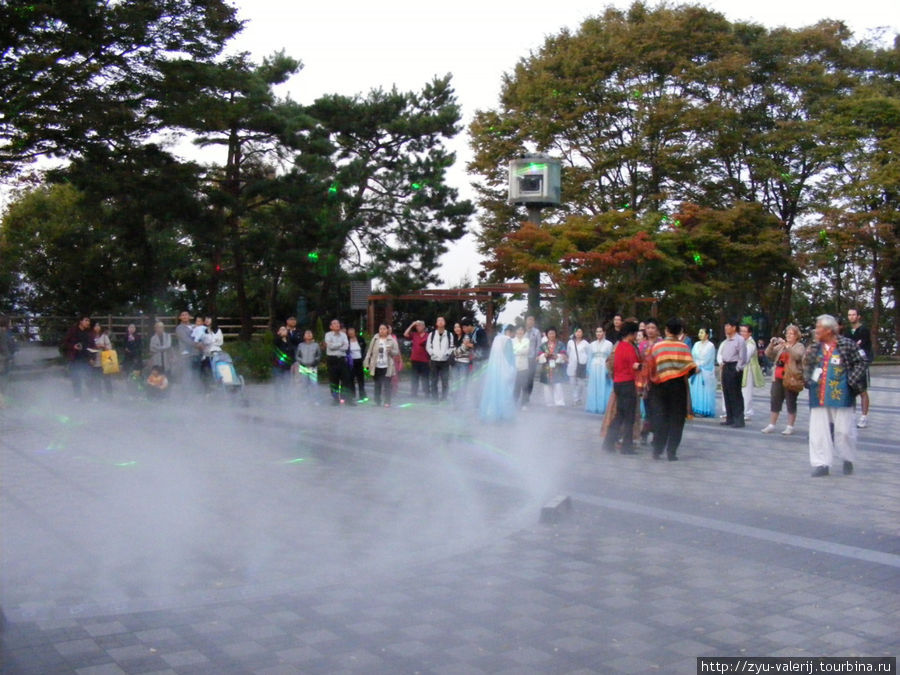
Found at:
<point>226,377</point>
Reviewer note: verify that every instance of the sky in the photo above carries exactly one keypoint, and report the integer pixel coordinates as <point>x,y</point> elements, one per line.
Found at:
<point>353,47</point>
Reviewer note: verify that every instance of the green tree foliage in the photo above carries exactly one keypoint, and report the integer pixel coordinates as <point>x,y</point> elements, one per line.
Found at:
<point>76,74</point>
<point>366,197</point>
<point>148,204</point>
<point>300,200</point>
<point>676,111</point>
<point>388,204</point>
<point>854,243</point>
<point>63,257</point>
<point>714,259</point>
<point>231,105</point>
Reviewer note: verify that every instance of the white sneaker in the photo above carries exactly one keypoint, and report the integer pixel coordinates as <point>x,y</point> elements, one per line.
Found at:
<point>768,429</point>
<point>788,431</point>
<point>862,422</point>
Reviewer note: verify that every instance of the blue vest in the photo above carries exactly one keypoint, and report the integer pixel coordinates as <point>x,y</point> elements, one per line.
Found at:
<point>837,391</point>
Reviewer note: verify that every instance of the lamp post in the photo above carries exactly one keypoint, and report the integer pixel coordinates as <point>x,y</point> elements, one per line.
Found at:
<point>534,182</point>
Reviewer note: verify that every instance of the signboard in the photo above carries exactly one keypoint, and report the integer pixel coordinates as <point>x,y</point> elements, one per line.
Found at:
<point>359,294</point>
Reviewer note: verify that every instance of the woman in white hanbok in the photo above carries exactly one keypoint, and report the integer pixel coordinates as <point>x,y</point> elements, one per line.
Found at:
<point>599,384</point>
<point>497,402</point>
<point>703,382</point>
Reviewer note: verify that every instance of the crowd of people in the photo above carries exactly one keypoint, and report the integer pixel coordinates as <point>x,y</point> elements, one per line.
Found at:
<point>645,380</point>
<point>187,355</point>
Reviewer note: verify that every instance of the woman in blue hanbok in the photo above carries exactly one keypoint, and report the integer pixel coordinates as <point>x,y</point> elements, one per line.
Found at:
<point>703,382</point>
<point>497,402</point>
<point>599,384</point>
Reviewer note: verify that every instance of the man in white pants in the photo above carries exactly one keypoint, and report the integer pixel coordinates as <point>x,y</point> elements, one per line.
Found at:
<point>835,375</point>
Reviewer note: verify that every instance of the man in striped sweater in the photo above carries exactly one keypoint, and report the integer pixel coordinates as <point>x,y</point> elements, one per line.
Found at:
<point>670,366</point>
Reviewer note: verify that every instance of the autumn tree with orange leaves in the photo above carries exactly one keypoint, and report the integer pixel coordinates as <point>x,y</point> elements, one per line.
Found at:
<point>694,155</point>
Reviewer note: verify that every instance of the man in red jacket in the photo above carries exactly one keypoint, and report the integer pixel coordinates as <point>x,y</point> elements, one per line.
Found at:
<point>626,362</point>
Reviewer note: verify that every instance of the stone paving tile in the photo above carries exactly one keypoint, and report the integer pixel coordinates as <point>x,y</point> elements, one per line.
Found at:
<point>610,589</point>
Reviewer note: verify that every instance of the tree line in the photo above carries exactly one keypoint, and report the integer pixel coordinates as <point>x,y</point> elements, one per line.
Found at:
<point>718,167</point>
<point>299,199</point>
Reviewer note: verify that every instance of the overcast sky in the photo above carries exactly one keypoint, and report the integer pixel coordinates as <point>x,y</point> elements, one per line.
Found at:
<point>353,46</point>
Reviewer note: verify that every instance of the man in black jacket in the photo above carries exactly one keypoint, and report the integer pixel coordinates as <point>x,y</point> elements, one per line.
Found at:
<point>75,346</point>
<point>863,338</point>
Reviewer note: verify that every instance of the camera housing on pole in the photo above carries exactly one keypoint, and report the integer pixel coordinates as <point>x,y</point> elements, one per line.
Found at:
<point>535,182</point>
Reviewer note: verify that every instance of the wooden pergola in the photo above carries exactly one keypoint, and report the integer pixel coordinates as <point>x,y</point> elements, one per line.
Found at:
<point>481,293</point>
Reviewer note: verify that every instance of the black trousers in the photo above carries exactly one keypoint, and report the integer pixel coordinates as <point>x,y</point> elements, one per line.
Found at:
<point>622,424</point>
<point>440,370</point>
<point>731,392</point>
<point>529,383</point>
<point>338,375</point>
<point>382,383</point>
<point>421,372</point>
<point>669,410</point>
<point>358,378</point>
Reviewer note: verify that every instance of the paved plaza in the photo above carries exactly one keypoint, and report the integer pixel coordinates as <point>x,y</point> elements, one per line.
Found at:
<point>196,536</point>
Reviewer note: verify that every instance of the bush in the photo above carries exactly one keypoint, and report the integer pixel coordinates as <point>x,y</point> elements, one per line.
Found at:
<point>253,359</point>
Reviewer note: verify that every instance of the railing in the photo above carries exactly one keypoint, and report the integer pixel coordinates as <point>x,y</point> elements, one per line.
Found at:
<point>52,329</point>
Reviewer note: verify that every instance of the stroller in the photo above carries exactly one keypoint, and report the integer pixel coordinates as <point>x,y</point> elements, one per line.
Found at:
<point>226,377</point>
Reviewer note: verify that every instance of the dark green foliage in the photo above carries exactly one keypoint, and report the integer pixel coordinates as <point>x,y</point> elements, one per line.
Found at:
<point>76,74</point>
<point>253,358</point>
<point>662,111</point>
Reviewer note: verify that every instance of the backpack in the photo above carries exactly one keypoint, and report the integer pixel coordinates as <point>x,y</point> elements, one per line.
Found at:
<point>450,358</point>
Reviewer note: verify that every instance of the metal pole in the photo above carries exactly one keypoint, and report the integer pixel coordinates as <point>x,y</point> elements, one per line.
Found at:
<point>533,279</point>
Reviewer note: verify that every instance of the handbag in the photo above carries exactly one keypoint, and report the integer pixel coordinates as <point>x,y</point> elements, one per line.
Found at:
<point>793,381</point>
<point>580,368</point>
<point>109,361</point>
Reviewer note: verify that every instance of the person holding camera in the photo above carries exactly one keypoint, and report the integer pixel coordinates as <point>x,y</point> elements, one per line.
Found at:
<point>787,382</point>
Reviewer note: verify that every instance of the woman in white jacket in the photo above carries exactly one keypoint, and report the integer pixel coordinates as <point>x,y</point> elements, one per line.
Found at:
<point>212,341</point>
<point>599,385</point>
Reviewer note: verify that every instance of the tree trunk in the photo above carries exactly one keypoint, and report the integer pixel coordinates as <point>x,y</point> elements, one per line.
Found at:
<point>786,300</point>
<point>876,303</point>
<point>273,295</point>
<point>232,228</point>
<point>533,279</point>
<point>838,289</point>
<point>239,281</point>
<point>212,290</point>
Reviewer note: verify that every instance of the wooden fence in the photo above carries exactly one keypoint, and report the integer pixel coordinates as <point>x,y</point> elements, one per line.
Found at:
<point>52,329</point>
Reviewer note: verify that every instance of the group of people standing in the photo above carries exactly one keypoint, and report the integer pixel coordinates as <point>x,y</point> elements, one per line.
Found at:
<point>434,356</point>
<point>648,383</point>
<point>93,359</point>
<point>656,371</point>
<point>643,380</point>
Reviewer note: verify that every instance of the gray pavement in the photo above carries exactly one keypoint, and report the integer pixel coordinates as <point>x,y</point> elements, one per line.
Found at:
<point>202,537</point>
